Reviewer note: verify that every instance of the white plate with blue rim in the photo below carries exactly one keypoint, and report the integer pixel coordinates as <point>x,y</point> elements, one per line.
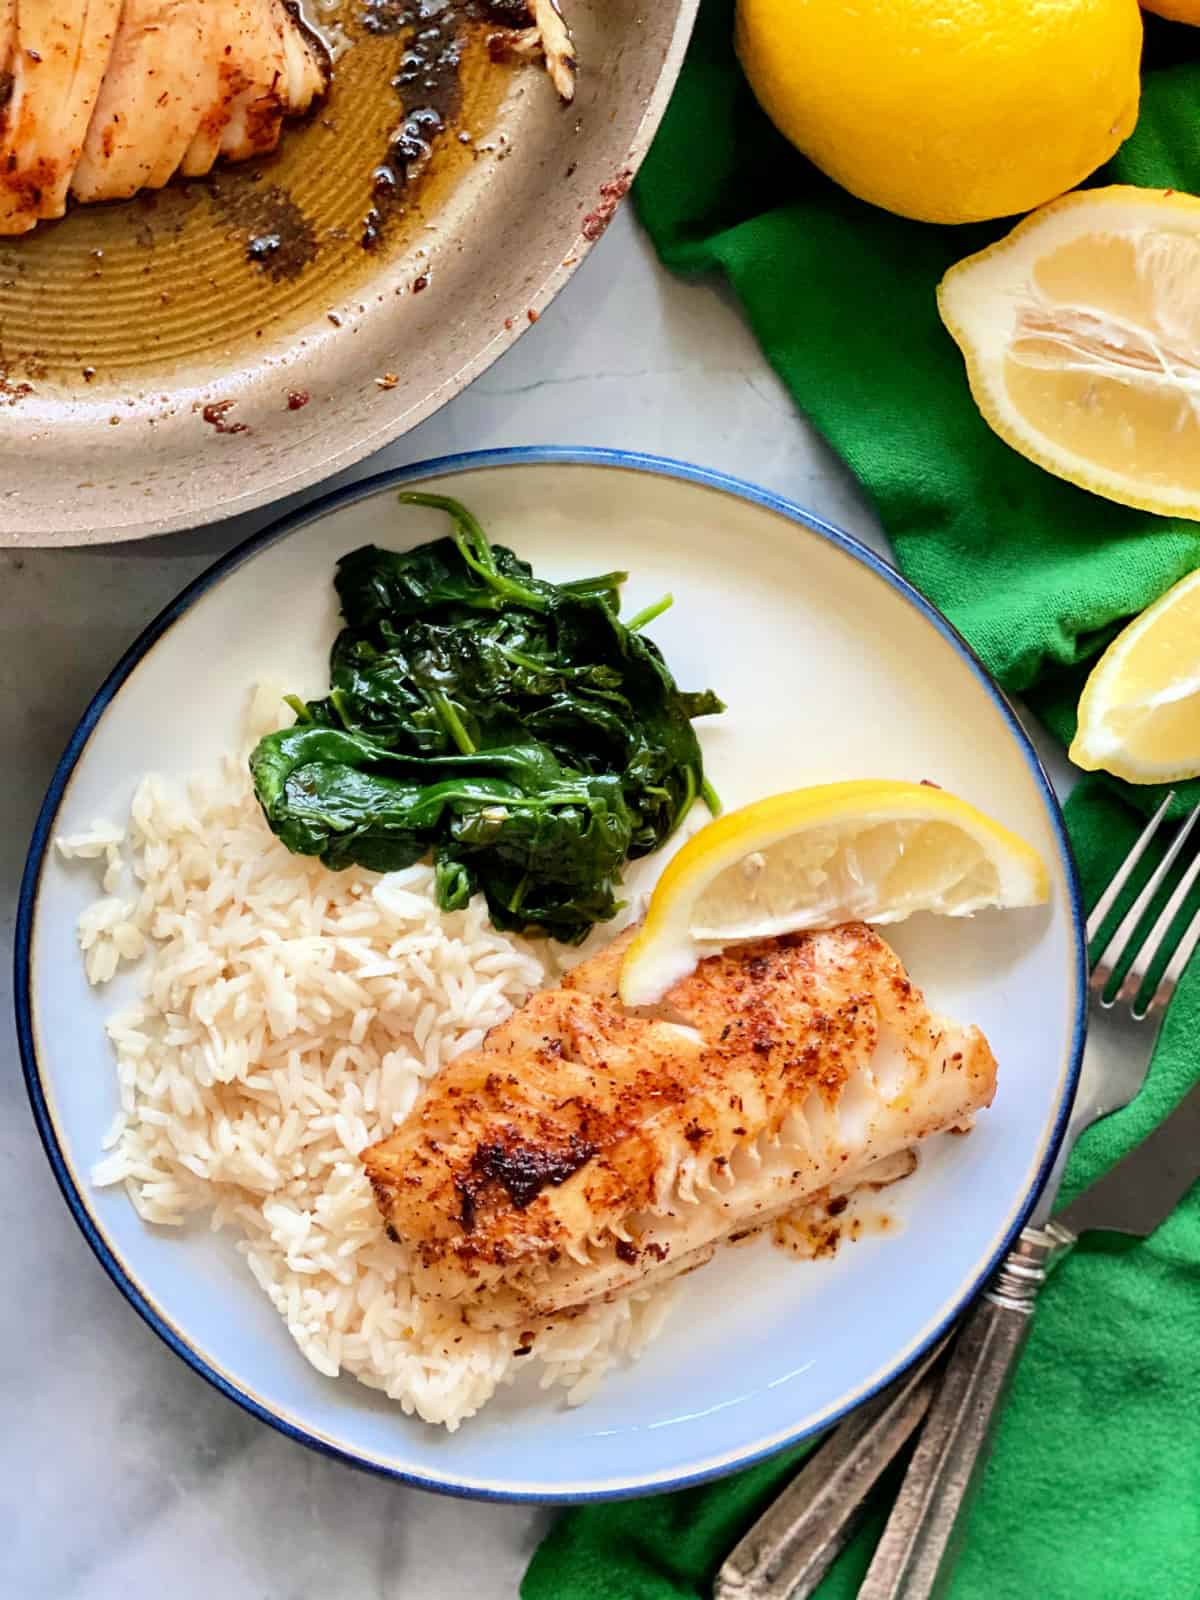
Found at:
<point>831,667</point>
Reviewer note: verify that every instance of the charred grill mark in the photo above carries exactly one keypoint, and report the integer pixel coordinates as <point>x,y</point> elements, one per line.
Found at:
<point>521,1169</point>
<point>28,184</point>
<point>467,1207</point>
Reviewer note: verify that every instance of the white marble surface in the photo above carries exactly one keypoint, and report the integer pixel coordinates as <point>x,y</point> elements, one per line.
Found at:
<point>122,1475</point>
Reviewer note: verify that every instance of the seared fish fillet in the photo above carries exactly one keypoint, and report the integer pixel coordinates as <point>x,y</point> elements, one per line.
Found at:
<point>584,1148</point>
<point>268,69</point>
<point>161,76</point>
<point>106,97</point>
<point>59,53</point>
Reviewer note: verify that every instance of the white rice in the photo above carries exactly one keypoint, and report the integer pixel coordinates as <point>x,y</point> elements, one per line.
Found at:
<point>289,1017</point>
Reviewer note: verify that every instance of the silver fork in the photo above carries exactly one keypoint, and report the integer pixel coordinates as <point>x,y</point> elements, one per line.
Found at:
<point>776,1561</point>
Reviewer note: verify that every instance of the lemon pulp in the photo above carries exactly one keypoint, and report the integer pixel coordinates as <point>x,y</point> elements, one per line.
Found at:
<point>1081,333</point>
<point>1139,716</point>
<point>873,850</point>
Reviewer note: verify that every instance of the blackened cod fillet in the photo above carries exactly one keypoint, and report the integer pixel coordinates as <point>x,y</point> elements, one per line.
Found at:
<point>584,1148</point>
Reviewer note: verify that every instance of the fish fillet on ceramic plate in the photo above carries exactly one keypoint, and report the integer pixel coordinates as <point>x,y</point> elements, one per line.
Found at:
<point>585,1148</point>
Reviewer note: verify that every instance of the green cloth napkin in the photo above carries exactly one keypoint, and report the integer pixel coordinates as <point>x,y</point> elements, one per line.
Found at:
<point>1093,1488</point>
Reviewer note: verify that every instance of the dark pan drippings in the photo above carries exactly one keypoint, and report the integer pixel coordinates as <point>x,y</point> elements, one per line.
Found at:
<point>280,239</point>
<point>435,34</point>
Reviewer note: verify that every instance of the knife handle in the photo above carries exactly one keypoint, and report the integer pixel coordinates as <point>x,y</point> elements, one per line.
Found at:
<point>948,1460</point>
<point>789,1549</point>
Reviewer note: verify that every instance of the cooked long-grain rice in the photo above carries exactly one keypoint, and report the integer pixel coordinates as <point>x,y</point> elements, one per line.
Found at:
<point>290,1016</point>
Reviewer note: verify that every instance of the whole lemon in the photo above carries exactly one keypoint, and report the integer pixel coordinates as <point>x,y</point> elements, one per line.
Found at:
<point>947,112</point>
<point>1176,10</point>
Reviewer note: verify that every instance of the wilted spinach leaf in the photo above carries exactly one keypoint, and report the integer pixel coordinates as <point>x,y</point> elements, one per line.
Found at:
<point>516,728</point>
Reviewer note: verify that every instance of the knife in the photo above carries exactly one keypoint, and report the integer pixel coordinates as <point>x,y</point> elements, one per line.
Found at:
<point>801,1534</point>
<point>1138,1194</point>
<point>1145,1186</point>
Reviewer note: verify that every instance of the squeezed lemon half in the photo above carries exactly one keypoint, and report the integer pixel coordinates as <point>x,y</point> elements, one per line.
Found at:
<point>1081,333</point>
<point>873,850</point>
<point>1139,717</point>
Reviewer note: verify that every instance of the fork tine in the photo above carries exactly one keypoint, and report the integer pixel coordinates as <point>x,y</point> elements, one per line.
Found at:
<point>1109,898</point>
<point>1166,984</point>
<point>1153,941</point>
<point>1122,939</point>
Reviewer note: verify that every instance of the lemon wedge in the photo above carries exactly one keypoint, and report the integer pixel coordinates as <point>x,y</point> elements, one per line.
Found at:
<point>1081,333</point>
<point>1139,717</point>
<point>872,850</point>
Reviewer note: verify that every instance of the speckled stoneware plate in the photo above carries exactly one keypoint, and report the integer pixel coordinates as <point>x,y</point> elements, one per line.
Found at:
<point>153,377</point>
<point>832,667</point>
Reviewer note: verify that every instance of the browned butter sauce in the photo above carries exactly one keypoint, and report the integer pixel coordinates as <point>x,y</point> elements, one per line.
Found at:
<point>819,1228</point>
<point>428,83</point>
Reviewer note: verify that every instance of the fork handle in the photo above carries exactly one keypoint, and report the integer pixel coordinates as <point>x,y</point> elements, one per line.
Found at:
<point>797,1539</point>
<point>914,1551</point>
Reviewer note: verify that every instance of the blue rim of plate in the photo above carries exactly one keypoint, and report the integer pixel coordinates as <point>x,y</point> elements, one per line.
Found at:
<point>442,466</point>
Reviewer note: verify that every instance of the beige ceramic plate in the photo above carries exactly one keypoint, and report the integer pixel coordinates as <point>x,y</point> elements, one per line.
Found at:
<point>152,377</point>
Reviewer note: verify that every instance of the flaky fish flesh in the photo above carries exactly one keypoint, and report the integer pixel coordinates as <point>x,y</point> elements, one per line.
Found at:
<point>101,98</point>
<point>585,1148</point>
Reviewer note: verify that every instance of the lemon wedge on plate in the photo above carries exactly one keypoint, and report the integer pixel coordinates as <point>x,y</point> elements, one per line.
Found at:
<point>873,850</point>
<point>1081,333</point>
<point>1139,717</point>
